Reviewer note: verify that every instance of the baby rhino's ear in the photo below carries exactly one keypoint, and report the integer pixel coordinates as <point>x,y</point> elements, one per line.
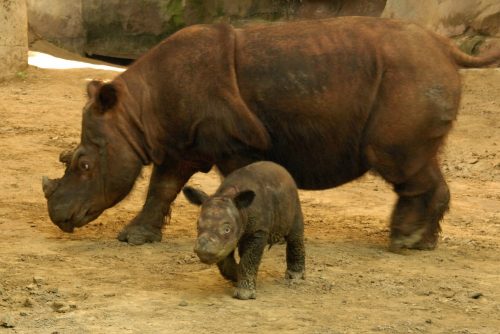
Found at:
<point>195,196</point>
<point>243,199</point>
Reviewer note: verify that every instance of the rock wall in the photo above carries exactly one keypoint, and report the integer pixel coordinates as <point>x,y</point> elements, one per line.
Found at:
<point>143,23</point>
<point>58,21</point>
<point>13,38</point>
<point>127,28</point>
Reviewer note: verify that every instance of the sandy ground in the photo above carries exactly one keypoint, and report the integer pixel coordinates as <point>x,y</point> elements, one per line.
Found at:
<point>88,282</point>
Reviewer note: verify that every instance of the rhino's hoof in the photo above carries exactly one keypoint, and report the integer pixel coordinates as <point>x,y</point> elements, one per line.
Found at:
<point>136,234</point>
<point>418,240</point>
<point>244,294</point>
<point>294,275</point>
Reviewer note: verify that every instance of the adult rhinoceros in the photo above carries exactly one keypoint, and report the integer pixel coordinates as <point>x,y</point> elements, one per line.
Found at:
<point>328,99</point>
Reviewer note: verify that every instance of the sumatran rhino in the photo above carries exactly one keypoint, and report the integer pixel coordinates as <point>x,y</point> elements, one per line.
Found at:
<point>328,99</point>
<point>255,206</point>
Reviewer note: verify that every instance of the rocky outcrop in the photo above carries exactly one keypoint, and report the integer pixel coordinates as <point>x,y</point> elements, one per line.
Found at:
<point>475,23</point>
<point>13,38</point>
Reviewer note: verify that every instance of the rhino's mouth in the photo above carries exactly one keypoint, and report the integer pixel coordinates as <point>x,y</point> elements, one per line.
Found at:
<point>78,220</point>
<point>216,255</point>
<point>209,258</point>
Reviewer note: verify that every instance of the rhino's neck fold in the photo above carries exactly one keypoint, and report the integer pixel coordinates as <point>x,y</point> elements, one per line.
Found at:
<point>135,144</point>
<point>131,126</point>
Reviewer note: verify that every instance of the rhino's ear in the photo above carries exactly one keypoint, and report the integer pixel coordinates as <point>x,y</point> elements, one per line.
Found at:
<point>105,94</point>
<point>108,96</point>
<point>195,196</point>
<point>244,198</point>
<point>93,87</point>
<point>66,157</point>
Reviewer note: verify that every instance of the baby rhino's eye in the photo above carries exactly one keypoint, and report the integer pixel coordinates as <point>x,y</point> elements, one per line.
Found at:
<point>226,228</point>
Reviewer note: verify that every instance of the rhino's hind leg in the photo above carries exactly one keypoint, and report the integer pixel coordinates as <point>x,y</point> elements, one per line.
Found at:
<point>295,252</point>
<point>422,203</point>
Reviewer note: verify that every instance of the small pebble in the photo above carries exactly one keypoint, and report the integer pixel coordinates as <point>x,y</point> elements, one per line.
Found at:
<point>23,314</point>
<point>476,295</point>
<point>31,287</point>
<point>183,303</point>
<point>28,302</point>
<point>63,309</point>
<point>58,305</point>
<point>429,321</point>
<point>53,290</point>
<point>6,322</point>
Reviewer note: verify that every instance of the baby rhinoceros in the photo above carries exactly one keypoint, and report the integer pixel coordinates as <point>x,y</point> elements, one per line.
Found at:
<point>255,206</point>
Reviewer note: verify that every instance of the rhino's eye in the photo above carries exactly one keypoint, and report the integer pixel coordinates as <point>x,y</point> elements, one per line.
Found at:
<point>226,229</point>
<point>84,165</point>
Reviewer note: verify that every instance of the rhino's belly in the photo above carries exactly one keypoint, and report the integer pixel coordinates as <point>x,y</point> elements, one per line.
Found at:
<point>318,138</point>
<point>319,165</point>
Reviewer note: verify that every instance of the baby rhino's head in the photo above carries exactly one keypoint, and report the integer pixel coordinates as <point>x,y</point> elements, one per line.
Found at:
<point>220,225</point>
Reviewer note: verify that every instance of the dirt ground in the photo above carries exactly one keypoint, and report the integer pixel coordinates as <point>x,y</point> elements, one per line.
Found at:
<point>88,282</point>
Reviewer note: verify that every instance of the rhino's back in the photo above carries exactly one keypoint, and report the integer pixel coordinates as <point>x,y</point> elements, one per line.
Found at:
<point>314,85</point>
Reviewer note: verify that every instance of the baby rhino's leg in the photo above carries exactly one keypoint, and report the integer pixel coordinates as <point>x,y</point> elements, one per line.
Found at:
<point>228,268</point>
<point>295,251</point>
<point>250,249</point>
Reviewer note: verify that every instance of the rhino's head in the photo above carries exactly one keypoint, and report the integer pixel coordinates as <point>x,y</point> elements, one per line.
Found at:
<point>103,168</point>
<point>220,225</point>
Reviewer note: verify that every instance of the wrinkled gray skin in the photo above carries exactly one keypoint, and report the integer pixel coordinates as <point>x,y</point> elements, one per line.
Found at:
<point>255,206</point>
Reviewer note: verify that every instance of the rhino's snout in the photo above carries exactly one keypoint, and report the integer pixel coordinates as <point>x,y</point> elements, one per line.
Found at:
<point>49,186</point>
<point>207,249</point>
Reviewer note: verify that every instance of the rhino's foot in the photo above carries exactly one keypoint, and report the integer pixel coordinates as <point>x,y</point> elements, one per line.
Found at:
<point>421,239</point>
<point>244,293</point>
<point>138,234</point>
<point>294,275</point>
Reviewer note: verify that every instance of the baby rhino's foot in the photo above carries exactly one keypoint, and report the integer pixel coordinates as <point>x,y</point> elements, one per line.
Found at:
<point>294,275</point>
<point>244,293</point>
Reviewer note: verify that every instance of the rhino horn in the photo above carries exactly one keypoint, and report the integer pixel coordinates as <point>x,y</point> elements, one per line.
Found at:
<point>49,186</point>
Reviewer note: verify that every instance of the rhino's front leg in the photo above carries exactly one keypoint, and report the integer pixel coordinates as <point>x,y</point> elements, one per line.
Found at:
<point>250,250</point>
<point>165,183</point>
<point>228,268</point>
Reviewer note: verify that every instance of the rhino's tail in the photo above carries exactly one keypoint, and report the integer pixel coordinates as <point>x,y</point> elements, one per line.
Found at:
<point>464,60</point>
